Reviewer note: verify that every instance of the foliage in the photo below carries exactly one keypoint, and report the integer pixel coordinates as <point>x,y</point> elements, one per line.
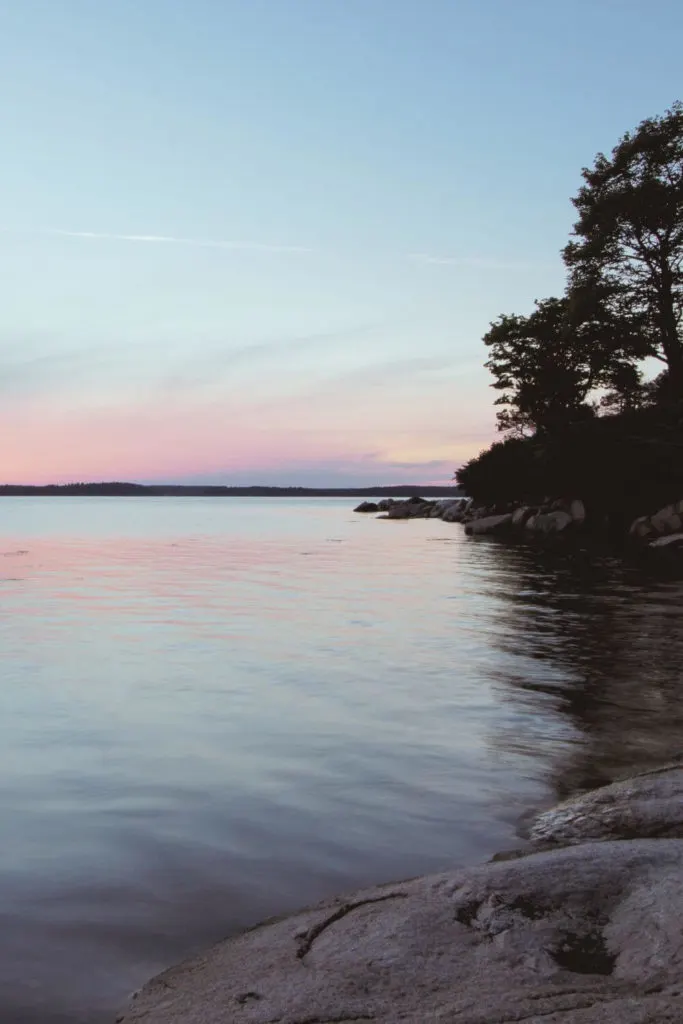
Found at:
<point>628,240</point>
<point>549,363</point>
<point>509,470</point>
<point>631,462</point>
<point>581,418</point>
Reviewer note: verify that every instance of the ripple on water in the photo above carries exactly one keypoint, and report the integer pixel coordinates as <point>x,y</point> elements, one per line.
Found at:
<point>214,711</point>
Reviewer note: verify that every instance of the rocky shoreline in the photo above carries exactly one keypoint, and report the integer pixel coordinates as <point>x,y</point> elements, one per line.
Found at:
<point>581,926</point>
<point>663,530</point>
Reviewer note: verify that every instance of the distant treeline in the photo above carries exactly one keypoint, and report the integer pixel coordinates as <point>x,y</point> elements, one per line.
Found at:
<point>127,490</point>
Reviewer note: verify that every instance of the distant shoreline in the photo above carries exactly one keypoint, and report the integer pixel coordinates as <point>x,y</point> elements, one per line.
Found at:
<point>128,490</point>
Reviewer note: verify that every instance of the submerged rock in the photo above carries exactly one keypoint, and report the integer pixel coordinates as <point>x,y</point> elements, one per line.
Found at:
<point>583,935</point>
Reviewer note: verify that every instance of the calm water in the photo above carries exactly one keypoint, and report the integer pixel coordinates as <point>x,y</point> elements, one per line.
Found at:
<point>216,710</point>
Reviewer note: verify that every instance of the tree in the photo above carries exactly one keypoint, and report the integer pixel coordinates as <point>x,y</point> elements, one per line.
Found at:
<point>628,240</point>
<point>546,366</point>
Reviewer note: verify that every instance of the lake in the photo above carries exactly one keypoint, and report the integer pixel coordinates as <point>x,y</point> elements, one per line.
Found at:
<point>217,710</point>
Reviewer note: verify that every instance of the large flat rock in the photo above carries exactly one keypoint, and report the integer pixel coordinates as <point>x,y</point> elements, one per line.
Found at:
<point>586,934</point>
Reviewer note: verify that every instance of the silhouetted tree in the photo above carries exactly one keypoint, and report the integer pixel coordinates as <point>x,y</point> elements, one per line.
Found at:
<point>548,364</point>
<point>628,240</point>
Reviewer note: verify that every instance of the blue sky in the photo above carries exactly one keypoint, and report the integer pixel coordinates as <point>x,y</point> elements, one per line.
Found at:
<point>260,241</point>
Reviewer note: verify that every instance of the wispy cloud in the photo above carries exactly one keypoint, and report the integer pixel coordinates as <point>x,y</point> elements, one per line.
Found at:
<point>201,243</point>
<point>209,365</point>
<point>477,262</point>
<point>240,245</point>
<point>381,373</point>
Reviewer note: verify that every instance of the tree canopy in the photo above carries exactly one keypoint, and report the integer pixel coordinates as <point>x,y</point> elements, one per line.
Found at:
<point>628,239</point>
<point>583,353</point>
<point>577,396</point>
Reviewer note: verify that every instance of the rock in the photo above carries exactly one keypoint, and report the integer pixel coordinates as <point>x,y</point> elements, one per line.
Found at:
<point>558,521</point>
<point>577,510</point>
<point>451,510</point>
<point>531,521</point>
<point>641,528</point>
<point>649,805</point>
<point>401,510</point>
<point>412,509</point>
<point>367,506</point>
<point>672,540</point>
<point>489,524</point>
<point>583,935</point>
<point>521,516</point>
<point>453,515</point>
<point>667,520</point>
<point>385,504</point>
<point>550,522</point>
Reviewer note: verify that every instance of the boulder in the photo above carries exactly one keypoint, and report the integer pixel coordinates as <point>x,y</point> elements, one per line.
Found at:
<point>451,510</point>
<point>480,512</point>
<point>672,540</point>
<point>367,506</point>
<point>452,514</point>
<point>489,524</point>
<point>385,504</point>
<point>587,934</point>
<point>521,516</point>
<point>412,509</point>
<point>401,510</point>
<point>649,805</point>
<point>641,528</point>
<point>667,520</point>
<point>551,522</point>
<point>577,510</point>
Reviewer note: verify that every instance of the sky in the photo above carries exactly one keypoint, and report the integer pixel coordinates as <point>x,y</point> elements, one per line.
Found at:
<point>259,241</point>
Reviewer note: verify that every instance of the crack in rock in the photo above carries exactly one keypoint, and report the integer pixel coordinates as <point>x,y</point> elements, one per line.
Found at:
<point>247,997</point>
<point>346,908</point>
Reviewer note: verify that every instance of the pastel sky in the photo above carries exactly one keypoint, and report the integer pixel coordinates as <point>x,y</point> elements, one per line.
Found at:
<point>258,241</point>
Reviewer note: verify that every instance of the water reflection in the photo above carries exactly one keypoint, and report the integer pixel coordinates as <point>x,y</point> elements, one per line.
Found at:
<point>591,662</point>
<point>214,712</point>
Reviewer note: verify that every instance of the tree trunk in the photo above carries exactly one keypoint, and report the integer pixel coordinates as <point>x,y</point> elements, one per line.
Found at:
<point>672,344</point>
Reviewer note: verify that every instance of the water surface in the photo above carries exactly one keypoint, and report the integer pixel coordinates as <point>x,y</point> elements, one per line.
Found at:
<point>215,710</point>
